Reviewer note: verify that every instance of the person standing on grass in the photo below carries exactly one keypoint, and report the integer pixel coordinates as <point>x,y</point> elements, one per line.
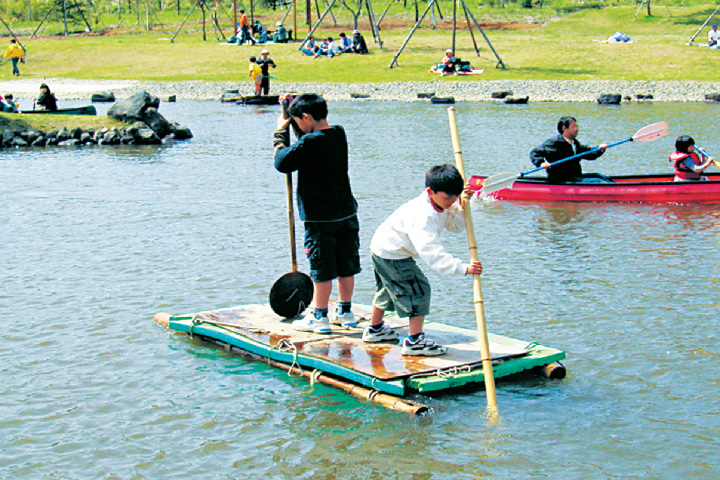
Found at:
<point>265,63</point>
<point>326,206</point>
<point>16,54</point>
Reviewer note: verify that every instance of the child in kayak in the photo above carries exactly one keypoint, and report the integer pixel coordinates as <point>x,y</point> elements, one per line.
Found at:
<point>687,162</point>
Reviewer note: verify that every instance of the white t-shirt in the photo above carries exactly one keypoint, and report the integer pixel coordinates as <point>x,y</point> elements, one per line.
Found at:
<point>414,230</point>
<point>714,35</point>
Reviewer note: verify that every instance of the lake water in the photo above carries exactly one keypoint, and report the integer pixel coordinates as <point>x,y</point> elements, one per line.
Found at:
<point>96,241</point>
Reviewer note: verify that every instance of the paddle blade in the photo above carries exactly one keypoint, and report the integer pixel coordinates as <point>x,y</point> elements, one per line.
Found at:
<point>651,132</point>
<point>499,181</point>
<point>291,294</point>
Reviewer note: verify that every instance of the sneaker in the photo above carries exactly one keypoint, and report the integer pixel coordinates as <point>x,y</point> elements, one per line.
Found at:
<point>385,334</point>
<point>311,324</point>
<point>423,347</point>
<point>346,319</point>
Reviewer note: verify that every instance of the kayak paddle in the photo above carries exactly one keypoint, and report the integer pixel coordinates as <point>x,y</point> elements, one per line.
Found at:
<point>702,151</point>
<point>507,179</point>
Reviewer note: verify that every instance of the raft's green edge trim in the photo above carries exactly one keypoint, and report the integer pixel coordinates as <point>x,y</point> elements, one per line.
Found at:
<point>184,323</point>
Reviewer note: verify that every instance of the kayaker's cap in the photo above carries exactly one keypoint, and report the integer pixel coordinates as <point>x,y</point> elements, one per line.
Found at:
<point>356,31</point>
<point>278,23</point>
<point>264,50</point>
<point>449,50</point>
<point>715,25</point>
<point>44,85</point>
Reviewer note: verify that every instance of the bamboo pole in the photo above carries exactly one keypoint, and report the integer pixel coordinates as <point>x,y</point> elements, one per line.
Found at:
<point>486,359</point>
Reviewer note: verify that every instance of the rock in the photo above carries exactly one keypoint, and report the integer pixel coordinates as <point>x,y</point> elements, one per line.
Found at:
<point>180,132</point>
<point>609,99</point>
<point>715,97</point>
<point>426,95</point>
<point>169,98</point>
<point>39,142</point>
<point>30,135</point>
<point>76,133</point>
<point>146,136</point>
<point>640,96</point>
<point>7,136</point>
<point>169,139</point>
<point>359,95</point>
<point>132,109</point>
<point>501,94</point>
<point>69,143</point>
<point>442,99</point>
<point>153,119</point>
<point>85,138</point>
<point>63,134</point>
<point>18,142</point>
<point>516,100</point>
<point>103,97</point>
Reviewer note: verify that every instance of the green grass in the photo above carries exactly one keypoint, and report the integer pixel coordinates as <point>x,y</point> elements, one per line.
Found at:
<point>45,123</point>
<point>562,49</point>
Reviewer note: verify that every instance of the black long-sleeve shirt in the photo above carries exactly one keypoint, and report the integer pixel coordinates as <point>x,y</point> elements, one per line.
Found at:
<point>321,160</point>
<point>557,148</point>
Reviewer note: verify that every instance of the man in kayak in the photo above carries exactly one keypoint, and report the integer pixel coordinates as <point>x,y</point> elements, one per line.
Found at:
<point>687,163</point>
<point>563,146</point>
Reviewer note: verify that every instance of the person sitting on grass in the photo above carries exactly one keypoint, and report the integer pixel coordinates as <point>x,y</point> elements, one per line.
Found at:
<point>344,44</point>
<point>326,48</point>
<point>687,162</point>
<point>281,34</point>
<point>310,46</point>
<point>358,44</point>
<point>411,231</point>
<point>713,36</point>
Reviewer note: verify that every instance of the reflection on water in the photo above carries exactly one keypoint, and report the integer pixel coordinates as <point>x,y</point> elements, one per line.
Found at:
<point>97,240</point>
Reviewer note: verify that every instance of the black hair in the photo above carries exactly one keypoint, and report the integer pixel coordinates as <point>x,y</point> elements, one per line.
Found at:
<point>12,40</point>
<point>564,123</point>
<point>683,142</point>
<point>310,103</point>
<point>253,59</point>
<point>342,34</point>
<point>330,39</point>
<point>444,178</point>
<point>242,11</point>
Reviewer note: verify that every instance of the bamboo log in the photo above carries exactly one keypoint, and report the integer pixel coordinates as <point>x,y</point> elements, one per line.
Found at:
<point>389,401</point>
<point>489,380</point>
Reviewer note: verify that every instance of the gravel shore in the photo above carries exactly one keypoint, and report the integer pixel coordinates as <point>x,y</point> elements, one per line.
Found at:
<point>462,90</point>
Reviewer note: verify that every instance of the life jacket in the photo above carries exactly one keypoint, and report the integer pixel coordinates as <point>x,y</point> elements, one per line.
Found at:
<point>681,171</point>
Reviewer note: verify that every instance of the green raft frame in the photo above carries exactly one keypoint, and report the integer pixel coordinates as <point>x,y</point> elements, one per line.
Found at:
<point>374,371</point>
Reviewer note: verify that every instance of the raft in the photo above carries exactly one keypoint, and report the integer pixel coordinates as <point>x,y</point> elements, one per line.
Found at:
<point>85,110</point>
<point>377,371</point>
<point>251,99</point>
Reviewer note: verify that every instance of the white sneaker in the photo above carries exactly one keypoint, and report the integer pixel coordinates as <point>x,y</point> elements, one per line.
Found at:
<point>384,335</point>
<point>311,324</point>
<point>346,319</point>
<point>422,347</point>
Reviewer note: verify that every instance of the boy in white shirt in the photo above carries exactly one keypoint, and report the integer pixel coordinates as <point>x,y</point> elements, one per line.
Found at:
<point>410,231</point>
<point>713,36</point>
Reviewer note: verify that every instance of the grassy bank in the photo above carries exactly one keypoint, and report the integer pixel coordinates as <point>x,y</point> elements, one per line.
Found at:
<point>563,49</point>
<point>45,123</point>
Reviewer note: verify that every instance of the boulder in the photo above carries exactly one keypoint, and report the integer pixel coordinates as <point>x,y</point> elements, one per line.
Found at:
<point>180,132</point>
<point>69,143</point>
<point>76,133</point>
<point>609,99</point>
<point>146,136</point>
<point>153,119</point>
<point>7,136</point>
<point>63,134</point>
<point>501,94</point>
<point>516,100</point>
<point>102,97</point>
<point>132,109</point>
<point>39,142</point>
<point>426,95</point>
<point>442,99</point>
<point>18,142</point>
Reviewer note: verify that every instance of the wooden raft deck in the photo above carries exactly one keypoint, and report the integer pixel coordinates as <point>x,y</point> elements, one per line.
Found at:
<point>380,366</point>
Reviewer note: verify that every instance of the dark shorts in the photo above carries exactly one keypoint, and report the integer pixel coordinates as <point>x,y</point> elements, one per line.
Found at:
<point>333,249</point>
<point>401,286</point>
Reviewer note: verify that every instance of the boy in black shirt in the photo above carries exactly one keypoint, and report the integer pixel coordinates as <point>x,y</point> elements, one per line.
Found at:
<point>326,205</point>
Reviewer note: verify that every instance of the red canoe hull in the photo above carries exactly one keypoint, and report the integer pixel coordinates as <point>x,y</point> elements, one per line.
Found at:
<point>637,188</point>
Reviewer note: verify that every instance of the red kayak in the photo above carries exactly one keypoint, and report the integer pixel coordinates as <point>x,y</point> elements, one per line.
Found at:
<point>631,188</point>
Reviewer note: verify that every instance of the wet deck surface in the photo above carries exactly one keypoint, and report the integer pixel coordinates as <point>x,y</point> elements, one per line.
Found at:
<point>344,346</point>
